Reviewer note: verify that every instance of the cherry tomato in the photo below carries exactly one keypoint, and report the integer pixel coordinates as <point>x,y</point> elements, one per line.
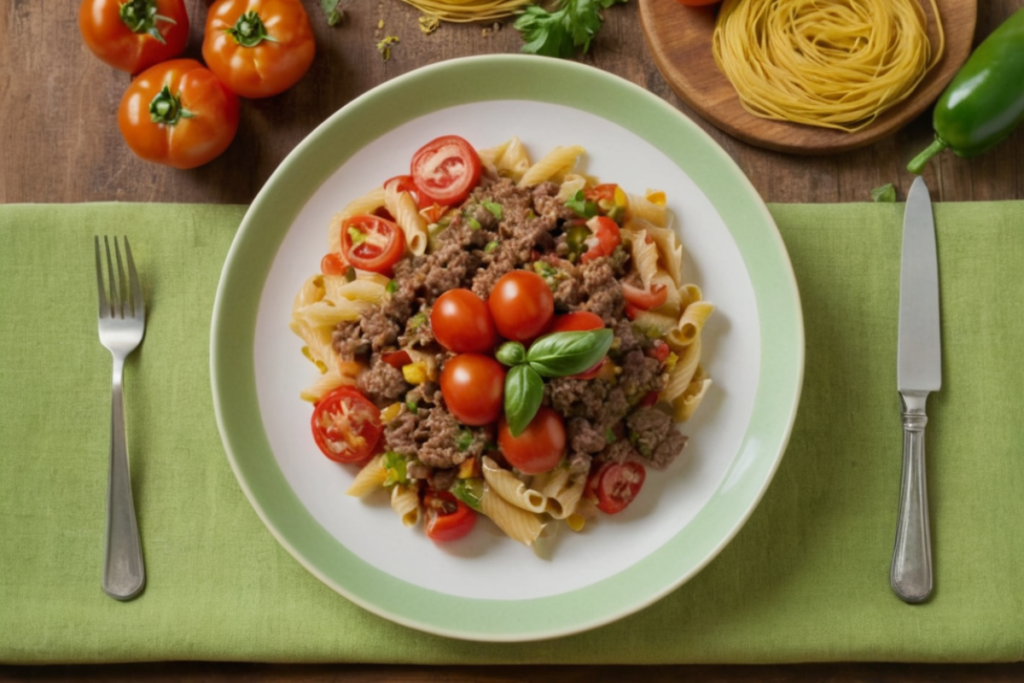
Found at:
<point>258,48</point>
<point>580,321</point>
<point>346,426</point>
<point>333,264</point>
<point>446,169</point>
<point>616,485</point>
<point>177,113</point>
<point>473,386</point>
<point>603,240</point>
<point>462,323</point>
<point>134,35</point>
<point>372,243</point>
<point>643,299</point>
<point>539,448</point>
<point>447,517</point>
<point>521,304</point>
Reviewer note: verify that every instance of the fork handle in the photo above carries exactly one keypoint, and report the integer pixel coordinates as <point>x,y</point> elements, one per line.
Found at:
<point>124,574</point>
<point>911,575</point>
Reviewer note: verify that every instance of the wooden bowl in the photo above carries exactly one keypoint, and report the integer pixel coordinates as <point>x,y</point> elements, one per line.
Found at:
<point>679,38</point>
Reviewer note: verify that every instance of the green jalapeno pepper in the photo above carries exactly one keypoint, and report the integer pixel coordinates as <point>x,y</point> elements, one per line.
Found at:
<point>985,100</point>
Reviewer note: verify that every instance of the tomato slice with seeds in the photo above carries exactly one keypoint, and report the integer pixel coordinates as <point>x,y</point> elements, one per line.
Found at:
<point>372,243</point>
<point>616,485</point>
<point>446,169</point>
<point>603,240</point>
<point>346,426</point>
<point>447,517</point>
<point>643,299</point>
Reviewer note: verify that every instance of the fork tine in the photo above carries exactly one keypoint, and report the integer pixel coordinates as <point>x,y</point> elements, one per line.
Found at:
<point>137,301</point>
<point>122,281</point>
<point>115,304</point>
<point>104,304</point>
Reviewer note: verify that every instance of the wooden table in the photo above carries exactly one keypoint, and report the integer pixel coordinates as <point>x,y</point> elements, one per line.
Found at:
<point>59,142</point>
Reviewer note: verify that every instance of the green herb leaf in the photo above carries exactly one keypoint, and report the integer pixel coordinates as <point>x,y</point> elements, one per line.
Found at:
<point>464,440</point>
<point>511,353</point>
<point>474,224</point>
<point>417,320</point>
<point>391,287</point>
<point>885,193</point>
<point>568,353</point>
<point>582,206</point>
<point>524,390</point>
<point>334,14</point>
<point>559,33</point>
<point>469,491</point>
<point>413,406</point>
<point>495,209</point>
<point>491,247</point>
<point>395,466</point>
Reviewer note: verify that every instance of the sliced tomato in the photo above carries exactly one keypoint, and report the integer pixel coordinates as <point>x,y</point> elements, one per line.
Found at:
<point>447,517</point>
<point>346,426</point>
<point>604,238</point>
<point>615,485</point>
<point>446,169</point>
<point>372,243</point>
<point>397,359</point>
<point>407,184</point>
<point>333,264</point>
<point>643,299</point>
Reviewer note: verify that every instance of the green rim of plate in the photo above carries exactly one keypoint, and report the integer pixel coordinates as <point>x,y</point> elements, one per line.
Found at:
<point>505,77</point>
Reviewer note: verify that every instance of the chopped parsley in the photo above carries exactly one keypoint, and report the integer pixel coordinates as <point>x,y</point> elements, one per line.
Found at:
<point>491,247</point>
<point>395,467</point>
<point>571,26</point>
<point>581,205</point>
<point>391,287</point>
<point>495,209</point>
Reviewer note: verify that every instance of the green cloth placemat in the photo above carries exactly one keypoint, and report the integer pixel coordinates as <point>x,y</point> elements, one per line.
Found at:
<point>805,580</point>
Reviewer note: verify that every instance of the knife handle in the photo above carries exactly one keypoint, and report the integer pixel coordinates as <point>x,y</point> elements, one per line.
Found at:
<point>911,575</point>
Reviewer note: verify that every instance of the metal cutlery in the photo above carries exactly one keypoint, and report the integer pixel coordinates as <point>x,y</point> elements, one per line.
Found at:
<point>919,372</point>
<point>122,324</point>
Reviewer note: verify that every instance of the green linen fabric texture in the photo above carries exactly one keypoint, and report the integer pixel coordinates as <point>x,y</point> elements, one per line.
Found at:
<point>805,580</point>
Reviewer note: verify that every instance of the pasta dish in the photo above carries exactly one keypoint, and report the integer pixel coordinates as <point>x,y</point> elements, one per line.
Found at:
<point>502,337</point>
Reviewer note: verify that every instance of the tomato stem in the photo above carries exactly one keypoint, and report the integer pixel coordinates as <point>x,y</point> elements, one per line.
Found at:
<point>140,16</point>
<point>249,30</point>
<point>166,108</point>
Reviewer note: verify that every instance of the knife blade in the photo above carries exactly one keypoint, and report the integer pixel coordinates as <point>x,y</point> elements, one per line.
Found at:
<point>918,373</point>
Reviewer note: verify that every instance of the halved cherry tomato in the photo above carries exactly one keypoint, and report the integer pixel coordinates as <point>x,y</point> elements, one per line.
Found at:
<point>616,485</point>
<point>177,113</point>
<point>346,426</point>
<point>447,517</point>
<point>473,386</point>
<point>580,321</point>
<point>258,48</point>
<point>521,304</point>
<point>372,243</point>
<point>462,323</point>
<point>134,35</point>
<point>643,299</point>
<point>333,264</point>
<point>406,184</point>
<point>603,240</point>
<point>604,191</point>
<point>446,169</point>
<point>539,448</point>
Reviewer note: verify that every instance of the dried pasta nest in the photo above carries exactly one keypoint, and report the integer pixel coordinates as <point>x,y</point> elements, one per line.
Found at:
<point>466,11</point>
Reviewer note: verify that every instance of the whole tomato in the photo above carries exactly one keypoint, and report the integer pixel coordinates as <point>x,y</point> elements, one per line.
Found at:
<point>134,35</point>
<point>258,48</point>
<point>539,448</point>
<point>521,304</point>
<point>461,322</point>
<point>473,386</point>
<point>177,113</point>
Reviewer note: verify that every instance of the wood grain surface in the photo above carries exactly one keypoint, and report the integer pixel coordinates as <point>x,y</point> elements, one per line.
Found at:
<point>679,39</point>
<point>59,142</point>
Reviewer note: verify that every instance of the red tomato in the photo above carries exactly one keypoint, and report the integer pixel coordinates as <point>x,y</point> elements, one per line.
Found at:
<point>462,323</point>
<point>580,321</point>
<point>659,351</point>
<point>333,264</point>
<point>616,485</point>
<point>258,48</point>
<point>604,239</point>
<point>177,113</point>
<point>602,192</point>
<point>446,169</point>
<point>447,517</point>
<point>539,448</point>
<point>406,184</point>
<point>397,359</point>
<point>346,426</point>
<point>473,386</point>
<point>372,243</point>
<point>521,304</point>
<point>641,298</point>
<point>136,34</point>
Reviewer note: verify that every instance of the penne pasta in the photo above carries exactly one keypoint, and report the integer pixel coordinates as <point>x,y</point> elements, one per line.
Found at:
<point>563,492</point>
<point>680,377</point>
<point>643,209</point>
<point>370,478</point>
<point>512,490</point>
<point>684,406</point>
<point>691,323</point>
<point>670,251</point>
<point>405,501</point>
<point>645,257</point>
<point>513,161</point>
<point>368,203</point>
<point>403,207</point>
<point>516,522</point>
<point>555,165</point>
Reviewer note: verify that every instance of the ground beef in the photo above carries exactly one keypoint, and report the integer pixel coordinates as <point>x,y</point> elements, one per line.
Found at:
<point>655,437</point>
<point>619,452</point>
<point>583,438</point>
<point>381,330</point>
<point>431,435</point>
<point>601,290</point>
<point>545,198</point>
<point>640,375</point>
<point>348,342</point>
<point>629,338</point>
<point>579,463</point>
<point>382,383</point>
<point>441,480</point>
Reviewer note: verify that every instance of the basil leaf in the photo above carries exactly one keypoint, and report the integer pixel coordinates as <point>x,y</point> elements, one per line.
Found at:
<point>568,353</point>
<point>511,353</point>
<point>524,390</point>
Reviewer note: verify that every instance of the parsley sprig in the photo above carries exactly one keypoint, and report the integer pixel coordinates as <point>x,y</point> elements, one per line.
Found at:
<point>559,33</point>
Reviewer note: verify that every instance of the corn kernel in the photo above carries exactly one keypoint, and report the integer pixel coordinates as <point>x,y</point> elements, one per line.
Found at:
<point>576,522</point>
<point>415,373</point>
<point>390,413</point>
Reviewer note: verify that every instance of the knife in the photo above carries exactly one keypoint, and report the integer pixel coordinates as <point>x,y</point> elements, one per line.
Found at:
<point>919,372</point>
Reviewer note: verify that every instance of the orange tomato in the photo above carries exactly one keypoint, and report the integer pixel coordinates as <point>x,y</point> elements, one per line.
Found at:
<point>136,34</point>
<point>258,48</point>
<point>177,113</point>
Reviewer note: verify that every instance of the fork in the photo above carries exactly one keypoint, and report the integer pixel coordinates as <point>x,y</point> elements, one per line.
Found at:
<point>122,323</point>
